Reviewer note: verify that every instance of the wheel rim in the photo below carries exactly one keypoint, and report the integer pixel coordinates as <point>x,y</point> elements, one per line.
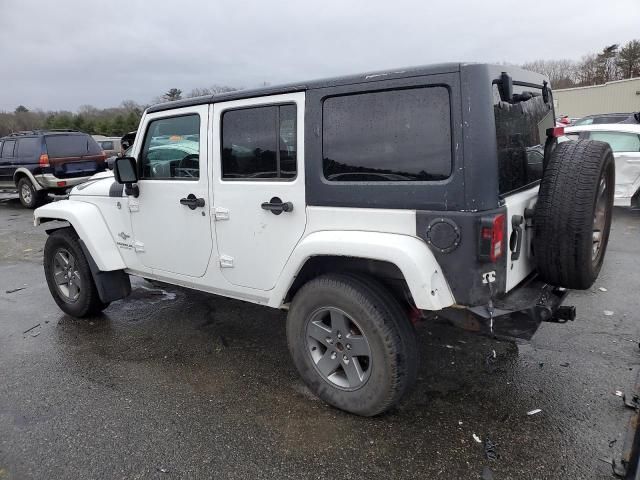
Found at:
<point>66,275</point>
<point>338,348</point>
<point>26,193</point>
<point>599,219</point>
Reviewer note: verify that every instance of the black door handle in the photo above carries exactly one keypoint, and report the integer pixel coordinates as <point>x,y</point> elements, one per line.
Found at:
<point>277,206</point>
<point>516,221</point>
<point>192,202</point>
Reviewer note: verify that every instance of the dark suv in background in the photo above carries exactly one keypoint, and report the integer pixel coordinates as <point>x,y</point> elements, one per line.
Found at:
<point>39,162</point>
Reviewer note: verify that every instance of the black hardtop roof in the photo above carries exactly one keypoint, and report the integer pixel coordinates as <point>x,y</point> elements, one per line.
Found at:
<point>302,86</point>
<point>484,69</point>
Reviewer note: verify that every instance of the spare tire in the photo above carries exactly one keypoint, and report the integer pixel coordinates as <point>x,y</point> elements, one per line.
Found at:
<point>573,213</point>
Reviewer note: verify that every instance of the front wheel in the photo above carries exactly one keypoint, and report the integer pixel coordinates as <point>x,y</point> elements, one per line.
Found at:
<point>352,343</point>
<point>68,275</point>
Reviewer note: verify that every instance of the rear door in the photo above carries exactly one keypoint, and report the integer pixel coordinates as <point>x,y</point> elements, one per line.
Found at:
<point>521,136</point>
<point>7,161</point>
<point>258,190</point>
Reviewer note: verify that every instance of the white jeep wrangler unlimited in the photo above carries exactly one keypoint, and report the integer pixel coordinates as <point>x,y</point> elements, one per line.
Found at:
<point>358,204</point>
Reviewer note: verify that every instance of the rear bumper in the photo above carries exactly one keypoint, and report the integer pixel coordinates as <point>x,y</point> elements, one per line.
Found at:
<point>48,180</point>
<point>517,315</point>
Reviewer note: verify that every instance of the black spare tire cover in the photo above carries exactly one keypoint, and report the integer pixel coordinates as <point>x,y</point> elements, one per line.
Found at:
<point>573,213</point>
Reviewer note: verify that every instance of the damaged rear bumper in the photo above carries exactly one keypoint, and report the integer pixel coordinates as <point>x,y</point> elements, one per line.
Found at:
<point>517,315</point>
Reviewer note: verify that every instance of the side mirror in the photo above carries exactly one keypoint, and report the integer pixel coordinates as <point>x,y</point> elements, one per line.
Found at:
<point>125,171</point>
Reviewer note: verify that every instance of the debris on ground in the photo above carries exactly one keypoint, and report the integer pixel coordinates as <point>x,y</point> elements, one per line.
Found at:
<point>490,449</point>
<point>15,290</point>
<point>162,470</point>
<point>564,364</point>
<point>541,364</point>
<point>533,412</point>
<point>29,329</point>
<point>619,393</point>
<point>602,289</point>
<point>477,438</point>
<point>487,474</point>
<point>612,442</point>
<point>35,334</point>
<point>608,313</point>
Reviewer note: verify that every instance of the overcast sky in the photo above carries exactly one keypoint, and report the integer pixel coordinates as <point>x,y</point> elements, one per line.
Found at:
<point>66,53</point>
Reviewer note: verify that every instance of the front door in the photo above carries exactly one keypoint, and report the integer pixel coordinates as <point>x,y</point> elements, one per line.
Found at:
<point>258,191</point>
<point>169,219</point>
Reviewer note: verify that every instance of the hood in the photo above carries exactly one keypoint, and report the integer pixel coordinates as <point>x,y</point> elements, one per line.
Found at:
<point>102,184</point>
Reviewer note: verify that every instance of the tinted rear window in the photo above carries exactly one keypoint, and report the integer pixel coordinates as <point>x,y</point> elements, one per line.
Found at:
<point>71,146</point>
<point>521,135</point>
<point>391,136</point>
<point>106,145</point>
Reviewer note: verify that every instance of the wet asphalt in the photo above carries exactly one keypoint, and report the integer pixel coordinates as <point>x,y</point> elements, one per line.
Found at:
<point>173,383</point>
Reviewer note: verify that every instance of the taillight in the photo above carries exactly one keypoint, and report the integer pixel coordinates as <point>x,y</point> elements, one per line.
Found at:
<point>555,132</point>
<point>44,160</point>
<point>492,244</point>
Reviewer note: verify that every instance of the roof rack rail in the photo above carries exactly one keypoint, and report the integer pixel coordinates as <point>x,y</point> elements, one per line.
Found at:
<point>39,131</point>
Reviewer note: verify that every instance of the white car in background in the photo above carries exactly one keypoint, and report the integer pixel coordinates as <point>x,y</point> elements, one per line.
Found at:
<point>624,139</point>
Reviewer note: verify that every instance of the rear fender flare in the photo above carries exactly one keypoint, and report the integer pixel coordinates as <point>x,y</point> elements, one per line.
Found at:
<point>424,277</point>
<point>90,226</point>
<point>23,171</point>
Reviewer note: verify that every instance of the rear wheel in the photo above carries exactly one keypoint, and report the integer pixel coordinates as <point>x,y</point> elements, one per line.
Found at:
<point>68,275</point>
<point>29,196</point>
<point>573,213</point>
<point>352,343</point>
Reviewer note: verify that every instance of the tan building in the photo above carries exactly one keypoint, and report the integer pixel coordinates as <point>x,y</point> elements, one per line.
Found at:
<point>612,97</point>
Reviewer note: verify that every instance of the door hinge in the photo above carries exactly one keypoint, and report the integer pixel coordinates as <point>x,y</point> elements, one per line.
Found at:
<point>134,205</point>
<point>220,213</point>
<point>226,261</point>
<point>138,246</point>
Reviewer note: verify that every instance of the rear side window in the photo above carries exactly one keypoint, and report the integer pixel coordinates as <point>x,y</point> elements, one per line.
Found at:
<point>619,141</point>
<point>28,147</point>
<point>259,143</point>
<point>390,136</point>
<point>71,146</point>
<point>521,134</point>
<point>106,145</point>
<point>7,148</point>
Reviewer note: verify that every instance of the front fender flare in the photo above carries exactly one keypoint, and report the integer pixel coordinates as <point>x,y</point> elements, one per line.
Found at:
<point>90,226</point>
<point>412,256</point>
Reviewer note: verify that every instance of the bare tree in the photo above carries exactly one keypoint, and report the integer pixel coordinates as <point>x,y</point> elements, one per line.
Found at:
<point>561,73</point>
<point>212,90</point>
<point>587,70</point>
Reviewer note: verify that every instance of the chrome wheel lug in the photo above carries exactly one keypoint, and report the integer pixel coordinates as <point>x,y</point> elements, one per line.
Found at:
<point>333,355</point>
<point>348,346</point>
